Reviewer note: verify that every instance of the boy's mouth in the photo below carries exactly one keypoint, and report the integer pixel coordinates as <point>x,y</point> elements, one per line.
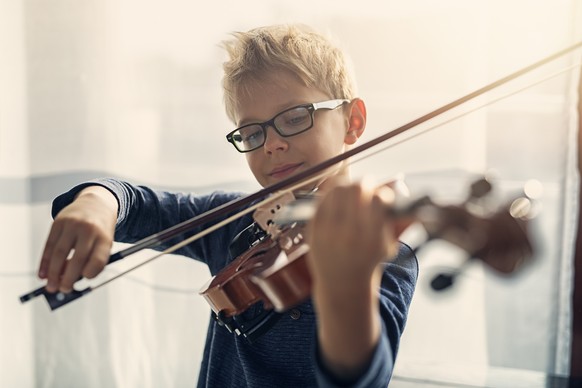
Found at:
<point>285,170</point>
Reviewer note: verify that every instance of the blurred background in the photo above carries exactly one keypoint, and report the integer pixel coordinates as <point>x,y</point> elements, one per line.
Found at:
<point>131,89</point>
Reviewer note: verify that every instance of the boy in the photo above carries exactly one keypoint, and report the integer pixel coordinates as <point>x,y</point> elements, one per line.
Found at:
<point>293,102</point>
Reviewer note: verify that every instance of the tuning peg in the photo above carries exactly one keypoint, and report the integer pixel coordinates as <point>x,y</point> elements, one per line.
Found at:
<point>480,188</point>
<point>443,281</point>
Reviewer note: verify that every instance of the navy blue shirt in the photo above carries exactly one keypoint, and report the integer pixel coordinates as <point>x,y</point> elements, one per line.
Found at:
<point>287,355</point>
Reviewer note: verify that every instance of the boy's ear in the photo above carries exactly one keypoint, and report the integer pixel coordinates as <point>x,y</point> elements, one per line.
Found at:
<point>356,121</point>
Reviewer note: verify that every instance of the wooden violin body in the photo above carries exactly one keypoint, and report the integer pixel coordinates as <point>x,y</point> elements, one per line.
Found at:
<point>275,271</point>
<point>268,272</point>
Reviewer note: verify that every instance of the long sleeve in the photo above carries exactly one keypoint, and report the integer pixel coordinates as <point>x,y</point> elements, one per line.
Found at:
<point>284,356</point>
<point>144,211</point>
<point>396,291</point>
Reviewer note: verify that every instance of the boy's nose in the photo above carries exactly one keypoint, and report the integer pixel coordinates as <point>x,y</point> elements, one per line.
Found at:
<point>274,141</point>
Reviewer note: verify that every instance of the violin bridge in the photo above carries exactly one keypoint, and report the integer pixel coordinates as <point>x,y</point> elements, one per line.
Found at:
<point>265,215</point>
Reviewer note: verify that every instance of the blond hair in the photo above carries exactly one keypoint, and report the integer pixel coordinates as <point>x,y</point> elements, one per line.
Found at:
<point>297,48</point>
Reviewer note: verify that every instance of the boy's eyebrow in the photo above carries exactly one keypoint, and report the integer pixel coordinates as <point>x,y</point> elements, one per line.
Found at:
<point>281,108</point>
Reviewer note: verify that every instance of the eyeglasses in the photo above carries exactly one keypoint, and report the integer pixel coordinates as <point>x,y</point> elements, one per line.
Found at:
<point>290,122</point>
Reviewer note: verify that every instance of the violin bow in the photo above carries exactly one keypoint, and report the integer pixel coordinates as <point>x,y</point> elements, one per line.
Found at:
<point>59,299</point>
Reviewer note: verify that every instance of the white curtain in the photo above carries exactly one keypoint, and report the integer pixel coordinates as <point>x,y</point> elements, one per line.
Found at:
<point>131,89</point>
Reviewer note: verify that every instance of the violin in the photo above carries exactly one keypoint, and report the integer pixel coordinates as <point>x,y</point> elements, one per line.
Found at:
<point>489,247</point>
<point>275,271</point>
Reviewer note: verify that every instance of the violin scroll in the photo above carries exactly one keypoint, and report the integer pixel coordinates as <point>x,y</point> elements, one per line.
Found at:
<point>497,237</point>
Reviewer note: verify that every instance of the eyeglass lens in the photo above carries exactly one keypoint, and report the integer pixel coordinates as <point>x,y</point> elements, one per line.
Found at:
<point>287,123</point>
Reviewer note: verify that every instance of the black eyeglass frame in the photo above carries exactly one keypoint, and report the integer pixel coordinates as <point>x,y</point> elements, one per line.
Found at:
<point>312,107</point>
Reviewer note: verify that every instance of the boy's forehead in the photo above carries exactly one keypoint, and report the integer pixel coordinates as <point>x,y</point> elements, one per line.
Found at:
<point>263,98</point>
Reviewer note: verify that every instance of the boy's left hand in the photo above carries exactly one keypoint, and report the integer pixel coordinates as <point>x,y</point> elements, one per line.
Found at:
<point>350,234</point>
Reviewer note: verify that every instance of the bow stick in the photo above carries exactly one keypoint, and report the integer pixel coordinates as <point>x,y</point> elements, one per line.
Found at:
<point>58,299</point>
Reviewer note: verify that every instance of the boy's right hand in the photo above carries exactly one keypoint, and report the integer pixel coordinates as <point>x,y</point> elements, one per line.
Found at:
<point>80,239</point>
